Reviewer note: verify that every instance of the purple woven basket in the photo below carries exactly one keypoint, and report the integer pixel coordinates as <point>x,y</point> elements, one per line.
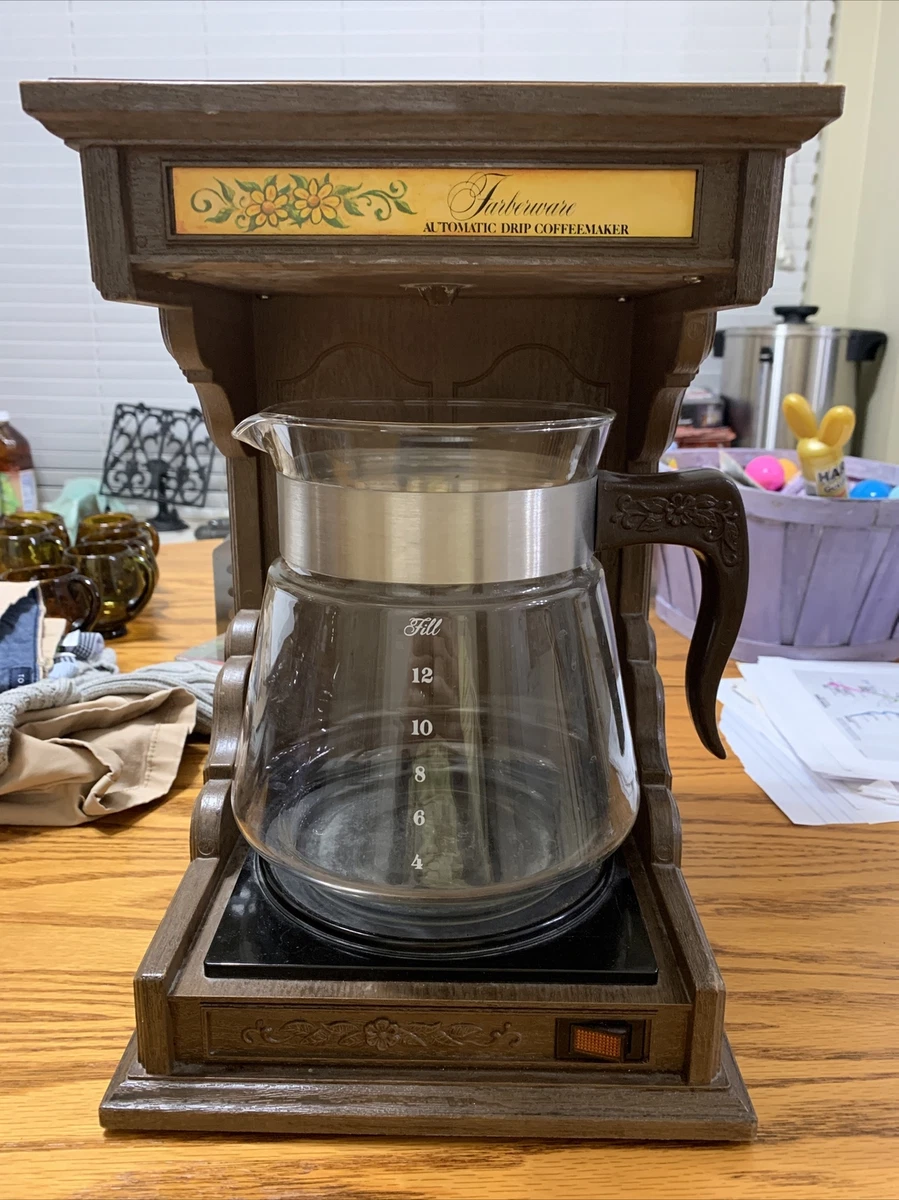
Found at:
<point>823,574</point>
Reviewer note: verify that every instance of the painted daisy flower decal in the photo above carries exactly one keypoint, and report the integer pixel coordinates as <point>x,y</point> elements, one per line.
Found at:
<point>297,205</point>
<point>263,205</point>
<point>317,202</point>
<point>266,206</point>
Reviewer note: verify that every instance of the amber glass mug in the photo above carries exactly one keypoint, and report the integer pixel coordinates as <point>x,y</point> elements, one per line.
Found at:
<point>120,526</point>
<point>24,545</point>
<point>23,521</point>
<point>125,574</point>
<point>66,592</point>
<point>135,540</point>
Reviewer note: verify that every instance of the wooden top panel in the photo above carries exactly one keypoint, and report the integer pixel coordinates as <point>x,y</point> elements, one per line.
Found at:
<point>432,114</point>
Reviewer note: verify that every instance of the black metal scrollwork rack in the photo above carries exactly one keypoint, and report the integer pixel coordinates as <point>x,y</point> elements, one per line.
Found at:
<point>159,454</point>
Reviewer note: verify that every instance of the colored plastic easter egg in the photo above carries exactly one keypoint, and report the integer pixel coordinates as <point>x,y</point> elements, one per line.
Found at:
<point>766,471</point>
<point>894,493</point>
<point>790,468</point>
<point>869,489</point>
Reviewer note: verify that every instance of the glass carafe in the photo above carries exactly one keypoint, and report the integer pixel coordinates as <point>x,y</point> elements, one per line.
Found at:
<point>436,757</point>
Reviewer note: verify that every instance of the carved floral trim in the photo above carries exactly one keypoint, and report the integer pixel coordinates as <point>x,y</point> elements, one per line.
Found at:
<point>716,521</point>
<point>381,1035</point>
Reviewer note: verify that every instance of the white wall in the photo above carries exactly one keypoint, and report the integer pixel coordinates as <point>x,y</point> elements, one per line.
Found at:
<point>67,357</point>
<point>854,264</point>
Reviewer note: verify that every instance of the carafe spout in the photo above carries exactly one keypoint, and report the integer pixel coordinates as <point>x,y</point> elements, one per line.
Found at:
<point>271,434</point>
<point>253,431</point>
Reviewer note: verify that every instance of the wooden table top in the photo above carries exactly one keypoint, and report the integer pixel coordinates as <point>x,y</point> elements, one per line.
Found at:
<point>805,924</point>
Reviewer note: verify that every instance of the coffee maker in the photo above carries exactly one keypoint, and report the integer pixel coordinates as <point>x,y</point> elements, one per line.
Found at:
<point>431,307</point>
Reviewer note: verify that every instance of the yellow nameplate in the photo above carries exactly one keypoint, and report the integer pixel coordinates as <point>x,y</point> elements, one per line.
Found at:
<point>434,202</point>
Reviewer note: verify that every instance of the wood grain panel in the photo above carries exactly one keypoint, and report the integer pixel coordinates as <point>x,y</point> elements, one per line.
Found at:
<point>550,373</point>
<point>337,370</point>
<point>548,349</point>
<point>490,115</point>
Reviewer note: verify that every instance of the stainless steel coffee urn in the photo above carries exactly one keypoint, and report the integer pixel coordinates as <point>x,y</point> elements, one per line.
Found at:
<point>763,363</point>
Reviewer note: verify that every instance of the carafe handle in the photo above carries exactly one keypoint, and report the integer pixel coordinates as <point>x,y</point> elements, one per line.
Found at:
<point>703,510</point>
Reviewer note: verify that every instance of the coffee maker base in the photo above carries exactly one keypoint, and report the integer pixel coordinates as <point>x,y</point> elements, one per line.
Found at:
<point>501,1057</point>
<point>606,942</point>
<point>429,1102</point>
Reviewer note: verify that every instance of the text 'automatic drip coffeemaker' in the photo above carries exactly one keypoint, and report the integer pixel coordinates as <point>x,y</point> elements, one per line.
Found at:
<point>435,884</point>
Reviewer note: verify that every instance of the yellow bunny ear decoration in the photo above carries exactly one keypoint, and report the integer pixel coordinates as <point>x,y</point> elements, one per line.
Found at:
<point>820,450</point>
<point>837,426</point>
<point>799,415</point>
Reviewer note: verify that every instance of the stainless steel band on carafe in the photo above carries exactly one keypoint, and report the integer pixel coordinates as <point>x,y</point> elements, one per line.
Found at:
<point>436,538</point>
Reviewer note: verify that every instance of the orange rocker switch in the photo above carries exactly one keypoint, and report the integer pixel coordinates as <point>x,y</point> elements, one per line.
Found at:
<point>607,1041</point>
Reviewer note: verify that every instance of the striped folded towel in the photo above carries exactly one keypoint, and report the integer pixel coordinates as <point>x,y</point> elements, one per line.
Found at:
<point>95,681</point>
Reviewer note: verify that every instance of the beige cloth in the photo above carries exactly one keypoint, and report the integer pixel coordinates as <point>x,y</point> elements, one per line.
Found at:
<point>11,592</point>
<point>72,764</point>
<point>54,632</point>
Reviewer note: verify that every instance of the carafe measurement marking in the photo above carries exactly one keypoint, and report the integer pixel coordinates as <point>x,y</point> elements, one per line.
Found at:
<point>421,726</point>
<point>423,626</point>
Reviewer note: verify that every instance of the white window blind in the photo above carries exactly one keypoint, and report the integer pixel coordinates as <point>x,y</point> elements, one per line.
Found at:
<point>67,357</point>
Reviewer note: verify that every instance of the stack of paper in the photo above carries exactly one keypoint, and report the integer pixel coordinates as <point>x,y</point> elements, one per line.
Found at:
<point>821,738</point>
